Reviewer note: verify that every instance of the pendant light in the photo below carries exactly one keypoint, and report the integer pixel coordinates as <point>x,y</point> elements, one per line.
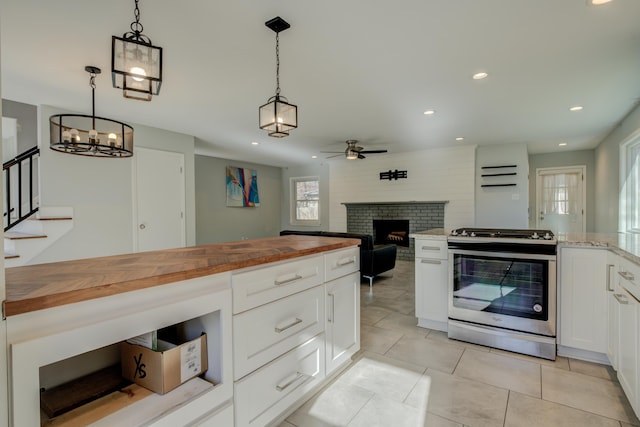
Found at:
<point>278,116</point>
<point>136,64</point>
<point>90,135</point>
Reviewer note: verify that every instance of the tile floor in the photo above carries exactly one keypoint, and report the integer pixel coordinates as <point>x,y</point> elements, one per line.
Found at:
<point>409,376</point>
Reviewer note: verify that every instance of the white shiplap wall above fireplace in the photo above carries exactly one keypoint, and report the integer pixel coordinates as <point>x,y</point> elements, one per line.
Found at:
<point>435,174</point>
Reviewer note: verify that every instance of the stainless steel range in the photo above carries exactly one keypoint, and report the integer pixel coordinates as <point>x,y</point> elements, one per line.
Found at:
<point>502,289</point>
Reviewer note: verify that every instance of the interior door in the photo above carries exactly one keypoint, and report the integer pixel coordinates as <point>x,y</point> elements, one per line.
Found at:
<point>160,200</point>
<point>560,199</point>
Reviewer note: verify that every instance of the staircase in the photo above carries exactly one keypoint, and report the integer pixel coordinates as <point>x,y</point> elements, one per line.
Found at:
<point>33,235</point>
<point>28,228</point>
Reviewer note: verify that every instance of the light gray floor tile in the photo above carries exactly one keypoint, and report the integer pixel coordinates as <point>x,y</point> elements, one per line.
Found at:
<point>561,362</point>
<point>464,401</point>
<point>381,412</point>
<point>596,395</point>
<point>427,353</point>
<point>392,379</point>
<point>593,369</point>
<point>501,371</point>
<point>526,411</point>
<point>434,420</point>
<point>335,406</point>
<point>371,314</point>
<point>442,337</point>
<point>404,323</point>
<point>378,340</point>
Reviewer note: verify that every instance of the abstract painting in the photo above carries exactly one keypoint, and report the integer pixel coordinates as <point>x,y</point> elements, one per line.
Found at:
<point>242,187</point>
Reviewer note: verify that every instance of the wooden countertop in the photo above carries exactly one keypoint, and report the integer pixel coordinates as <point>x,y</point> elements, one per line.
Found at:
<point>36,287</point>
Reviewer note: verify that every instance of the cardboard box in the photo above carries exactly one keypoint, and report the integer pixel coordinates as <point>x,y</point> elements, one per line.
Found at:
<point>163,370</point>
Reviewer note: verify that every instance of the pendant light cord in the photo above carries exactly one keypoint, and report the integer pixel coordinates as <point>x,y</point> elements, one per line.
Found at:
<point>136,26</point>
<point>92,83</point>
<point>277,64</point>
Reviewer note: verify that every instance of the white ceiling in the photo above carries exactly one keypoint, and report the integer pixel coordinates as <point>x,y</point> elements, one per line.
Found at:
<point>357,69</point>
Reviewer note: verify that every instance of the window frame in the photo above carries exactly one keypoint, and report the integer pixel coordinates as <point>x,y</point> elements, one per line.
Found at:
<point>629,205</point>
<point>293,201</point>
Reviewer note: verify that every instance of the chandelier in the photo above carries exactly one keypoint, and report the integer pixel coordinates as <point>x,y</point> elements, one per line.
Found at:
<point>278,116</point>
<point>90,135</point>
<point>136,64</point>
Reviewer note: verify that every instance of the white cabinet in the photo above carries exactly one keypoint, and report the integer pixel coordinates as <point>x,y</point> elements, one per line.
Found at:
<point>583,300</point>
<point>343,320</point>
<point>613,312</point>
<point>45,338</point>
<point>628,349</point>
<point>432,282</point>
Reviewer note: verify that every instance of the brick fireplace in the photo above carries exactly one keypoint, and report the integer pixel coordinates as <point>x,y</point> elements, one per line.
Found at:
<point>421,216</point>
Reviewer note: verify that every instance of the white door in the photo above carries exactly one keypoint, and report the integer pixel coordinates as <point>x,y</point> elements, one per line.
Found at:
<point>159,193</point>
<point>560,199</point>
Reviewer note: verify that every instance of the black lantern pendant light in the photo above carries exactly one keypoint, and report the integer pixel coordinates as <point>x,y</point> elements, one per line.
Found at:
<point>90,135</point>
<point>277,116</point>
<point>136,64</point>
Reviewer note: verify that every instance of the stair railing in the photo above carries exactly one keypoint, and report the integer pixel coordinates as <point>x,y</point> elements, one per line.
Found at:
<point>22,187</point>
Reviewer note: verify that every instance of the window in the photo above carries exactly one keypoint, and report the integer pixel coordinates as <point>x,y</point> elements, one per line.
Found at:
<point>630,184</point>
<point>305,200</point>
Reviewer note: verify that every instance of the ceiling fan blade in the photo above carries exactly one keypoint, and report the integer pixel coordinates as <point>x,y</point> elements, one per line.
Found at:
<point>356,148</point>
<point>360,156</point>
<point>373,151</point>
<point>335,155</point>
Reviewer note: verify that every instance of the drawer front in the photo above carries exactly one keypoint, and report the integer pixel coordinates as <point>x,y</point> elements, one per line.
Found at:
<point>262,285</point>
<point>265,394</point>
<point>342,262</point>
<point>629,277</point>
<point>264,333</point>
<point>436,249</point>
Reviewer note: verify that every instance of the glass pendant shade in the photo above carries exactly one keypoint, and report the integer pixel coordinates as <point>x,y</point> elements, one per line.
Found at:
<point>136,67</point>
<point>351,154</point>
<point>278,117</point>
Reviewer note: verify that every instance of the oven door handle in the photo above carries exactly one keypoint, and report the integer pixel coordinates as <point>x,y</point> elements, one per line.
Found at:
<point>509,255</point>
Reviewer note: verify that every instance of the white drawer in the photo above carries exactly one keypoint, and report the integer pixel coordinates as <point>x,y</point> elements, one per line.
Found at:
<point>630,277</point>
<point>342,262</point>
<point>436,249</point>
<point>265,394</point>
<point>261,285</point>
<point>264,333</point>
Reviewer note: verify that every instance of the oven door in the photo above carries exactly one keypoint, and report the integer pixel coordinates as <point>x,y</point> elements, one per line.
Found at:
<point>513,291</point>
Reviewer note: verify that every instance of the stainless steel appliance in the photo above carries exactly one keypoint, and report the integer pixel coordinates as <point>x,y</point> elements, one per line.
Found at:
<point>502,289</point>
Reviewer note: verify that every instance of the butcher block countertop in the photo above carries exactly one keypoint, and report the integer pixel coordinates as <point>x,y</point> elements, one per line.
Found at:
<point>41,286</point>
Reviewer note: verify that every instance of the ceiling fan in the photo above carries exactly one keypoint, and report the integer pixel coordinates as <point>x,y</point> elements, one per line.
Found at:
<point>354,151</point>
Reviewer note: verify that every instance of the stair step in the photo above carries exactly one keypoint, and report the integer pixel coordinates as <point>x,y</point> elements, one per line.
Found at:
<point>15,235</point>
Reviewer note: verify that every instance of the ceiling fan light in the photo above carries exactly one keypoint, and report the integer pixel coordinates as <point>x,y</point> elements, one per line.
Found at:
<point>351,154</point>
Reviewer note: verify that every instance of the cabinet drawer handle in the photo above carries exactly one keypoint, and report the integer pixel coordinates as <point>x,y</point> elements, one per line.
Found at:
<point>290,325</point>
<point>431,248</point>
<point>346,261</point>
<point>622,299</point>
<point>626,275</point>
<point>282,282</point>
<point>297,376</point>
<point>609,267</point>
<point>430,261</point>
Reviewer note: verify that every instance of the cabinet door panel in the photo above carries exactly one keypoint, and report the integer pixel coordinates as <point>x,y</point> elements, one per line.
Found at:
<point>432,291</point>
<point>628,350</point>
<point>343,319</point>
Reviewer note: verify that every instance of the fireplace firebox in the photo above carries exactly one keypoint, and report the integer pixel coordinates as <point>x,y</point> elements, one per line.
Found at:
<point>394,231</point>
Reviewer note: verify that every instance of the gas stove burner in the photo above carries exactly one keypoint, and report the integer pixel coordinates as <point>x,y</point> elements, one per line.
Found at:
<point>497,233</point>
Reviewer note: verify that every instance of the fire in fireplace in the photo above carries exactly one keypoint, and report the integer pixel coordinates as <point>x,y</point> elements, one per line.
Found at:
<point>391,231</point>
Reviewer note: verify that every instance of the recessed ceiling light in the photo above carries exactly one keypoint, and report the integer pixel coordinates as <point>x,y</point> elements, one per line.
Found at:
<point>255,143</point>
<point>314,157</point>
<point>597,2</point>
<point>429,112</point>
<point>480,76</point>
<point>460,138</point>
<point>562,144</point>
<point>576,108</point>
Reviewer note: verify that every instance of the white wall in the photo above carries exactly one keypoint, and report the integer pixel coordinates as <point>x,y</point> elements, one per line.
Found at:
<point>607,185</point>
<point>322,171</point>
<point>502,207</point>
<point>441,174</point>
<point>4,384</point>
<point>100,191</point>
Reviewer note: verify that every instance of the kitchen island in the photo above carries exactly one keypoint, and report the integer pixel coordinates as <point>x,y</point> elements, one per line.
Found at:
<point>65,320</point>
